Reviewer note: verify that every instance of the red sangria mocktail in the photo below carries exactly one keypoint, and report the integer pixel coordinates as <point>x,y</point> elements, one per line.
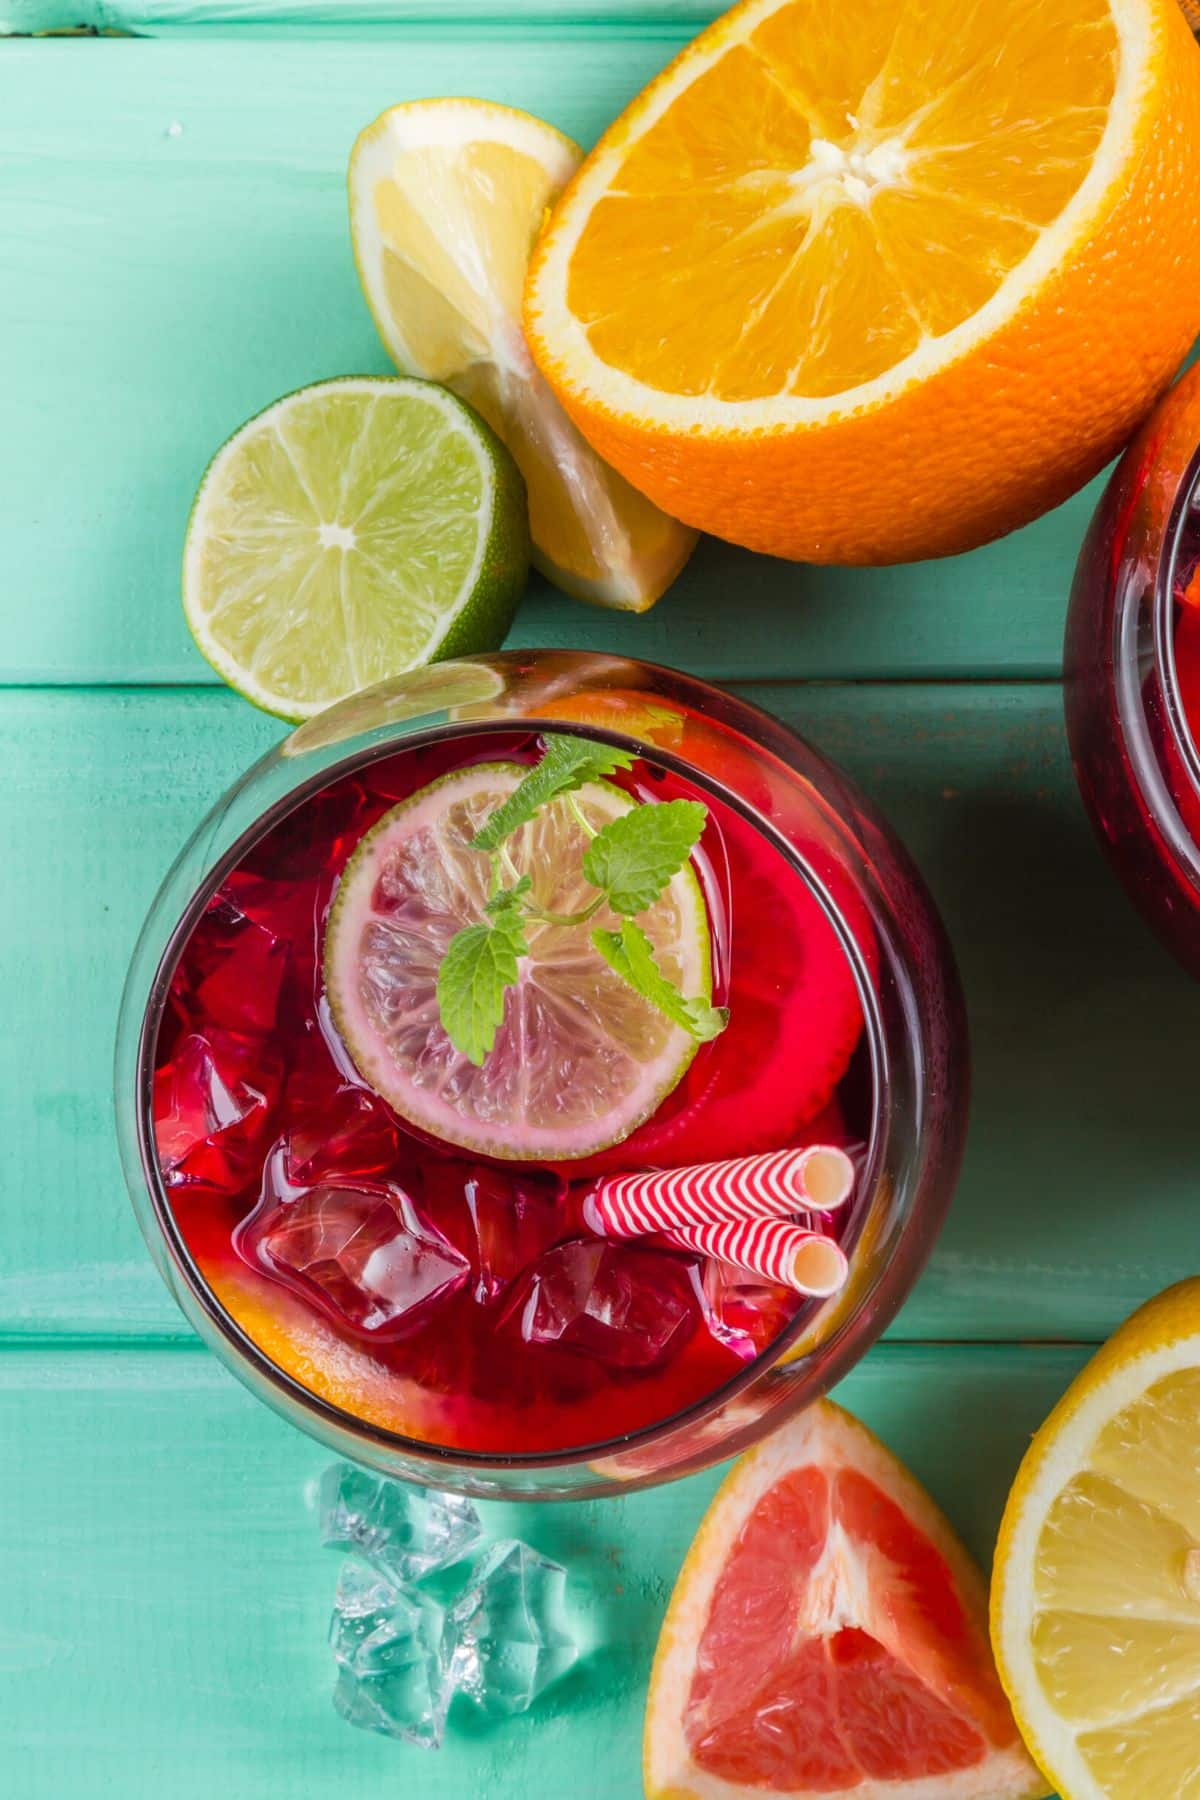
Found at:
<point>423,1010</point>
<point>1132,668</point>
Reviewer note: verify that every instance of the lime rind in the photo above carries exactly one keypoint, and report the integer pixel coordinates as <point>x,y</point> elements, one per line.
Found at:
<point>250,553</point>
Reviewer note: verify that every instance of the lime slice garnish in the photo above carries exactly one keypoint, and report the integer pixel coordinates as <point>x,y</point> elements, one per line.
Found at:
<point>580,1059</point>
<point>355,530</point>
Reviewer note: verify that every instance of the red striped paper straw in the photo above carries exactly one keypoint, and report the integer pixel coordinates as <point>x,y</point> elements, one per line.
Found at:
<point>773,1186</point>
<point>771,1249</point>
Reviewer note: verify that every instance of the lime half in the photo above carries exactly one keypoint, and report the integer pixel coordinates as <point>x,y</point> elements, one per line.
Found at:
<point>580,1059</point>
<point>353,531</point>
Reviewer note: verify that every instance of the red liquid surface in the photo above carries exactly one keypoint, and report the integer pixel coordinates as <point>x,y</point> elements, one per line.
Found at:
<point>1186,599</point>
<point>451,1299</point>
<point>1187,625</point>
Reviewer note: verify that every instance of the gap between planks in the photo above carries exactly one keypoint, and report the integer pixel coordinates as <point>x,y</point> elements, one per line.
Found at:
<point>843,683</point>
<point>188,1343</point>
<point>672,20</point>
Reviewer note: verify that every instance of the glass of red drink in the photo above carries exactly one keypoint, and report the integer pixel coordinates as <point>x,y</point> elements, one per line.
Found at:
<point>1132,670</point>
<point>411,1279</point>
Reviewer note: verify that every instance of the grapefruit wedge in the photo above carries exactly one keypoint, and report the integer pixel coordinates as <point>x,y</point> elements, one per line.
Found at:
<point>828,1635</point>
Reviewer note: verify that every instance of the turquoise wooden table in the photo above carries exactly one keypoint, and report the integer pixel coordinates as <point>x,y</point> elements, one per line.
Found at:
<point>174,246</point>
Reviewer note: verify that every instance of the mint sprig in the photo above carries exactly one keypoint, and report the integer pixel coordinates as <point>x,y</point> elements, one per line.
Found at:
<point>568,763</point>
<point>631,954</point>
<point>637,853</point>
<point>505,904</point>
<point>479,967</point>
<point>629,863</point>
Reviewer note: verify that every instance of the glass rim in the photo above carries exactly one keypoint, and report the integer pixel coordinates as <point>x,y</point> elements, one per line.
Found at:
<point>353,1424</point>
<point>1163,633</point>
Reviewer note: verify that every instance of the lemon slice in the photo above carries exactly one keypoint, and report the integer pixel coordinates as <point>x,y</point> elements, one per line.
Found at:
<point>1096,1595</point>
<point>353,531</point>
<point>580,1059</point>
<point>446,200</point>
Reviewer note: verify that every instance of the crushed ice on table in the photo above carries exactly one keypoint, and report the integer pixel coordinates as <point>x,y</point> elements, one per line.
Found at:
<point>405,1532</point>
<point>388,1644</point>
<point>358,1247</point>
<point>623,1306</point>
<point>401,1656</point>
<point>506,1633</point>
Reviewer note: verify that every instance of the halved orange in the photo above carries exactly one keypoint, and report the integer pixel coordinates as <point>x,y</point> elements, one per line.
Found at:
<point>828,1636</point>
<point>881,280</point>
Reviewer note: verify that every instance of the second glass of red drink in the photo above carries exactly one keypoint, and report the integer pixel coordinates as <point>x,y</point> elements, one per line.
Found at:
<point>1132,670</point>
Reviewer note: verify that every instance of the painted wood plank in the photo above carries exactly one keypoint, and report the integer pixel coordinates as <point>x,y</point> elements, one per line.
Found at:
<point>72,903</point>
<point>165,1597</point>
<point>1086,1037</point>
<point>1082,1028</point>
<point>154,16</point>
<point>175,217</point>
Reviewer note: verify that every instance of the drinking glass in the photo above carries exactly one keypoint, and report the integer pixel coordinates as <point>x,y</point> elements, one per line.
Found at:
<point>865,883</point>
<point>1131,741</point>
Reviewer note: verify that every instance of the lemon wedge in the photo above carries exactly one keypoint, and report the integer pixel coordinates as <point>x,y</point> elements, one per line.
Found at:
<point>1096,1591</point>
<point>447,198</point>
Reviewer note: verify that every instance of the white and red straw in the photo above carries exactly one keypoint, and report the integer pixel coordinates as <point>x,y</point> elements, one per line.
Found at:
<point>773,1186</point>
<point>741,1212</point>
<point>772,1249</point>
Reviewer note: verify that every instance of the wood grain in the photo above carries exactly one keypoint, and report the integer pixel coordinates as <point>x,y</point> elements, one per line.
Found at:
<point>1085,1036</point>
<point>165,1596</point>
<point>100,792</point>
<point>174,215</point>
<point>154,16</point>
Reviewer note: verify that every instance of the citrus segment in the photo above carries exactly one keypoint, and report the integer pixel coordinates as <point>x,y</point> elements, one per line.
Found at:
<point>898,188</point>
<point>859,284</point>
<point>294,1339</point>
<point>828,1636</point>
<point>446,200</point>
<point>581,1058</point>
<point>1096,1608</point>
<point>353,531</point>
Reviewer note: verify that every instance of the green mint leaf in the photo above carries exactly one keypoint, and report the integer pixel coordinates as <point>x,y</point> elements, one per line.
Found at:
<point>707,1022</point>
<point>479,967</point>
<point>567,763</point>
<point>505,906</point>
<point>636,854</point>
<point>630,953</point>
